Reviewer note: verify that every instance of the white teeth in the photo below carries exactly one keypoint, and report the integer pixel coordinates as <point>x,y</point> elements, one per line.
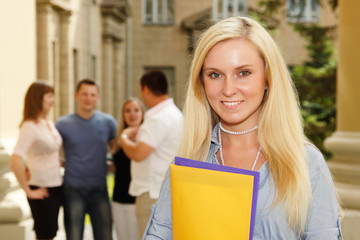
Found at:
<point>231,103</point>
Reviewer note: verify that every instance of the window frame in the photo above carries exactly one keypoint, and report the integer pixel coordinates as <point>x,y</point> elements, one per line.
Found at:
<point>156,17</point>
<point>309,13</point>
<point>225,5</point>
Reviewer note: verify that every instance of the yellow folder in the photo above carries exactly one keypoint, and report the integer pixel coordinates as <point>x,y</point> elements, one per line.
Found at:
<point>211,201</point>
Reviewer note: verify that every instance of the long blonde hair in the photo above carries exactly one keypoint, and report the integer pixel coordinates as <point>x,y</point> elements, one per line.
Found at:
<point>280,133</point>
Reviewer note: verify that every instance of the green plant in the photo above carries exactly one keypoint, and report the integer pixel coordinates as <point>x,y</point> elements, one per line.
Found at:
<point>315,78</point>
<point>315,81</point>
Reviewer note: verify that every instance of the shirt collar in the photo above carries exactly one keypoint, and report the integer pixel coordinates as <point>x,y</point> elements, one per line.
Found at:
<point>159,106</point>
<point>214,135</point>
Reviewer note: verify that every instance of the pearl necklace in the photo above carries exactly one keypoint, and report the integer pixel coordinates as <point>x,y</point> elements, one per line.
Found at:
<point>236,133</point>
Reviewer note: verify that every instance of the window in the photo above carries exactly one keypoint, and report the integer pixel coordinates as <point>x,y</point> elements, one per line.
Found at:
<point>303,10</point>
<point>228,8</point>
<point>158,11</point>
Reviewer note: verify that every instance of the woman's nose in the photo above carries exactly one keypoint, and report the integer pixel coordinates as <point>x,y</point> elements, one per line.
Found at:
<point>230,87</point>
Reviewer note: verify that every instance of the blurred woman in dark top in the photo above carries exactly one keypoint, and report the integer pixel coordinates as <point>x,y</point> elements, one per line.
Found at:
<point>123,206</point>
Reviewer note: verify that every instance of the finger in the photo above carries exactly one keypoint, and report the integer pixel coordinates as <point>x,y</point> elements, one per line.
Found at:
<point>42,193</point>
<point>45,192</point>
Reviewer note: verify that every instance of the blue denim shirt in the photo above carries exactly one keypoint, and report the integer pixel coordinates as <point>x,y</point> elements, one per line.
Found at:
<point>270,222</point>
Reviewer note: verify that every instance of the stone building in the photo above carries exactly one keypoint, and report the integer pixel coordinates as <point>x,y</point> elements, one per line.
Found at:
<point>115,41</point>
<point>163,33</point>
<point>61,41</point>
<point>82,39</point>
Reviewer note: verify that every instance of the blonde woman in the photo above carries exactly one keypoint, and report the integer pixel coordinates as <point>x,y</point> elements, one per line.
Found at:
<point>123,204</point>
<point>39,143</point>
<point>241,110</point>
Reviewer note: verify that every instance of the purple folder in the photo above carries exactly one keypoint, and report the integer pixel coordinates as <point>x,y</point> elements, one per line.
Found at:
<point>204,165</point>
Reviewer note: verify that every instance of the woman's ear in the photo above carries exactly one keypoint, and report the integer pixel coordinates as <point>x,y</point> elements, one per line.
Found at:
<point>265,93</point>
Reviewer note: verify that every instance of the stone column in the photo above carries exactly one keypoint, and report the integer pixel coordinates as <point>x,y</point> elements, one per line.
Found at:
<point>17,71</point>
<point>118,78</point>
<point>107,75</point>
<point>66,85</point>
<point>43,19</point>
<point>123,63</point>
<point>345,142</point>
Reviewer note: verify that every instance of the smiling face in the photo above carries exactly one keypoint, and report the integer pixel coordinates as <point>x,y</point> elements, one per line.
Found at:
<point>87,97</point>
<point>132,114</point>
<point>234,81</point>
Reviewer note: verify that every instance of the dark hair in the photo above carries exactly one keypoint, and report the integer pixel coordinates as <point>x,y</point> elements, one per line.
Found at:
<point>156,81</point>
<point>34,99</point>
<point>86,81</point>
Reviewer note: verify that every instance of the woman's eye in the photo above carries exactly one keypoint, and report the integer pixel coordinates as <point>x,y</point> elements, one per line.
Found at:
<point>244,73</point>
<point>214,75</point>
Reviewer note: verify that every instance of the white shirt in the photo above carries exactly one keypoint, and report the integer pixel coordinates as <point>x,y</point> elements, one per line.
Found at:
<point>40,143</point>
<point>160,130</point>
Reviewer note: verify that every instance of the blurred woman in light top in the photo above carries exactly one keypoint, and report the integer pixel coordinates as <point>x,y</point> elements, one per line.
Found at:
<point>38,144</point>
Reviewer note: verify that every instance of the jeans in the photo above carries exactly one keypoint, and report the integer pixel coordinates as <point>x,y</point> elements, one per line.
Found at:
<point>81,200</point>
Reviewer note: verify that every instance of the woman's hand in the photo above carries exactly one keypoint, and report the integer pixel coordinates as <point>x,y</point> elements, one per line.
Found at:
<point>39,193</point>
<point>130,132</point>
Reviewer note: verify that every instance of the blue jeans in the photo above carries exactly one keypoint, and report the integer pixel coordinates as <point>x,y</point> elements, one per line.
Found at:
<point>81,200</point>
